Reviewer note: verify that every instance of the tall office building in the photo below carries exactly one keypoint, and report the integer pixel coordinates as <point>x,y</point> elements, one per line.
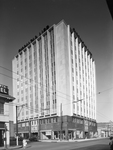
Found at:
<point>54,74</point>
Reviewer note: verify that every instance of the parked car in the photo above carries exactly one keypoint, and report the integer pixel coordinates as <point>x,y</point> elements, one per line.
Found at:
<point>33,138</point>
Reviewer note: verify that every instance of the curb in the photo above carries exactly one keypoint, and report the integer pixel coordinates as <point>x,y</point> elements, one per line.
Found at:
<point>18,147</point>
<point>11,148</point>
<point>79,140</point>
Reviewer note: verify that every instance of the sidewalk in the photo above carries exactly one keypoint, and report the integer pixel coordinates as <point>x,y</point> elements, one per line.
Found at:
<point>77,140</point>
<point>14,147</point>
<point>10,147</point>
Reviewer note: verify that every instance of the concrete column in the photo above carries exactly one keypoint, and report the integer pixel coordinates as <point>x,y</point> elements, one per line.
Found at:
<point>58,135</point>
<point>7,138</point>
<point>52,135</point>
<point>66,134</point>
<point>29,129</point>
<point>74,134</point>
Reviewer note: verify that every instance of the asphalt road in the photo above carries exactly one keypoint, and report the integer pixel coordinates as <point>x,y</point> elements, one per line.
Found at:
<point>100,144</point>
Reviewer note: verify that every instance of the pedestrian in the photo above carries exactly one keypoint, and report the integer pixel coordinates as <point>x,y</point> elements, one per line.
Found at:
<point>24,143</point>
<point>111,143</point>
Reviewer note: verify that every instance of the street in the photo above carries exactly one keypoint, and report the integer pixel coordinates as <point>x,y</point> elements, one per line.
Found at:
<point>99,144</point>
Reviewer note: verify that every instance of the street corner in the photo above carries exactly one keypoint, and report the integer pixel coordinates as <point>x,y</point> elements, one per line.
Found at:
<point>14,147</point>
<point>28,146</point>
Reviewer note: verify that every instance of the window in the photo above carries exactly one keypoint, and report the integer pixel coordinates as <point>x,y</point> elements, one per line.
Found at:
<point>54,120</point>
<point>81,122</point>
<point>1,108</point>
<point>27,123</point>
<point>71,52</point>
<point>22,99</point>
<point>23,124</point>
<point>19,125</point>
<point>25,67</point>
<point>26,112</point>
<point>72,61</point>
<point>22,113</point>
<point>21,91</point>
<point>34,122</point>
<point>77,120</point>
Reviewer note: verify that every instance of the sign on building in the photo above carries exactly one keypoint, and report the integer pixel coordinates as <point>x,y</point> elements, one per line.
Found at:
<point>34,129</point>
<point>4,89</point>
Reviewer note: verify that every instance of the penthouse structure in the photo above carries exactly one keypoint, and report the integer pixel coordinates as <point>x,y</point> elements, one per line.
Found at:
<point>55,77</point>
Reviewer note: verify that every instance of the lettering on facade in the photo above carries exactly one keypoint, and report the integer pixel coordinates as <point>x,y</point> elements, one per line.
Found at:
<point>34,129</point>
<point>48,132</point>
<point>3,89</point>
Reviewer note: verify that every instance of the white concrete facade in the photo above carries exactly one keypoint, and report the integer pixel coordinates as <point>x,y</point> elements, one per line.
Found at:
<point>55,68</point>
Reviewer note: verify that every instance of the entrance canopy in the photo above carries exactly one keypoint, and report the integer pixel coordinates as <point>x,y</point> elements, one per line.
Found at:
<point>6,98</point>
<point>4,94</point>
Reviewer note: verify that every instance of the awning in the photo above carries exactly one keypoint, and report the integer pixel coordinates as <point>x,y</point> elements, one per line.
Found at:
<point>72,129</point>
<point>2,128</point>
<point>8,98</point>
<point>23,132</point>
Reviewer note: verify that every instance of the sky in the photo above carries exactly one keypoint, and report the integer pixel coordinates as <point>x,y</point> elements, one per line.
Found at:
<point>21,20</point>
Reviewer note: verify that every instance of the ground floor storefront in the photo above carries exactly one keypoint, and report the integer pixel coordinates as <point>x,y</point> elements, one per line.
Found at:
<point>65,128</point>
<point>1,137</point>
<point>69,134</point>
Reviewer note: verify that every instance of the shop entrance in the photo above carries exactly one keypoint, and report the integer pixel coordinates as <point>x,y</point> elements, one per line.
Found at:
<point>1,138</point>
<point>86,135</point>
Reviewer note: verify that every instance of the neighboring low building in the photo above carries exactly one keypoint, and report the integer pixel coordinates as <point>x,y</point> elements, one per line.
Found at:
<point>5,98</point>
<point>105,129</point>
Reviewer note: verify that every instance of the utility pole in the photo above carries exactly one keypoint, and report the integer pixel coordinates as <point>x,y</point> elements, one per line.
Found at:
<point>17,124</point>
<point>38,122</point>
<point>61,121</point>
<point>17,114</point>
<point>5,137</point>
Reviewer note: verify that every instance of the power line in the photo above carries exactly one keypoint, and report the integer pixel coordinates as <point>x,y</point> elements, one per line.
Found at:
<point>38,87</point>
<point>32,85</point>
<point>30,79</point>
<point>105,90</point>
<point>39,83</point>
<point>45,90</point>
<point>42,84</point>
<point>102,115</point>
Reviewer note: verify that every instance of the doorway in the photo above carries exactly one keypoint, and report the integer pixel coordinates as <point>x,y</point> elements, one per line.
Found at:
<point>1,138</point>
